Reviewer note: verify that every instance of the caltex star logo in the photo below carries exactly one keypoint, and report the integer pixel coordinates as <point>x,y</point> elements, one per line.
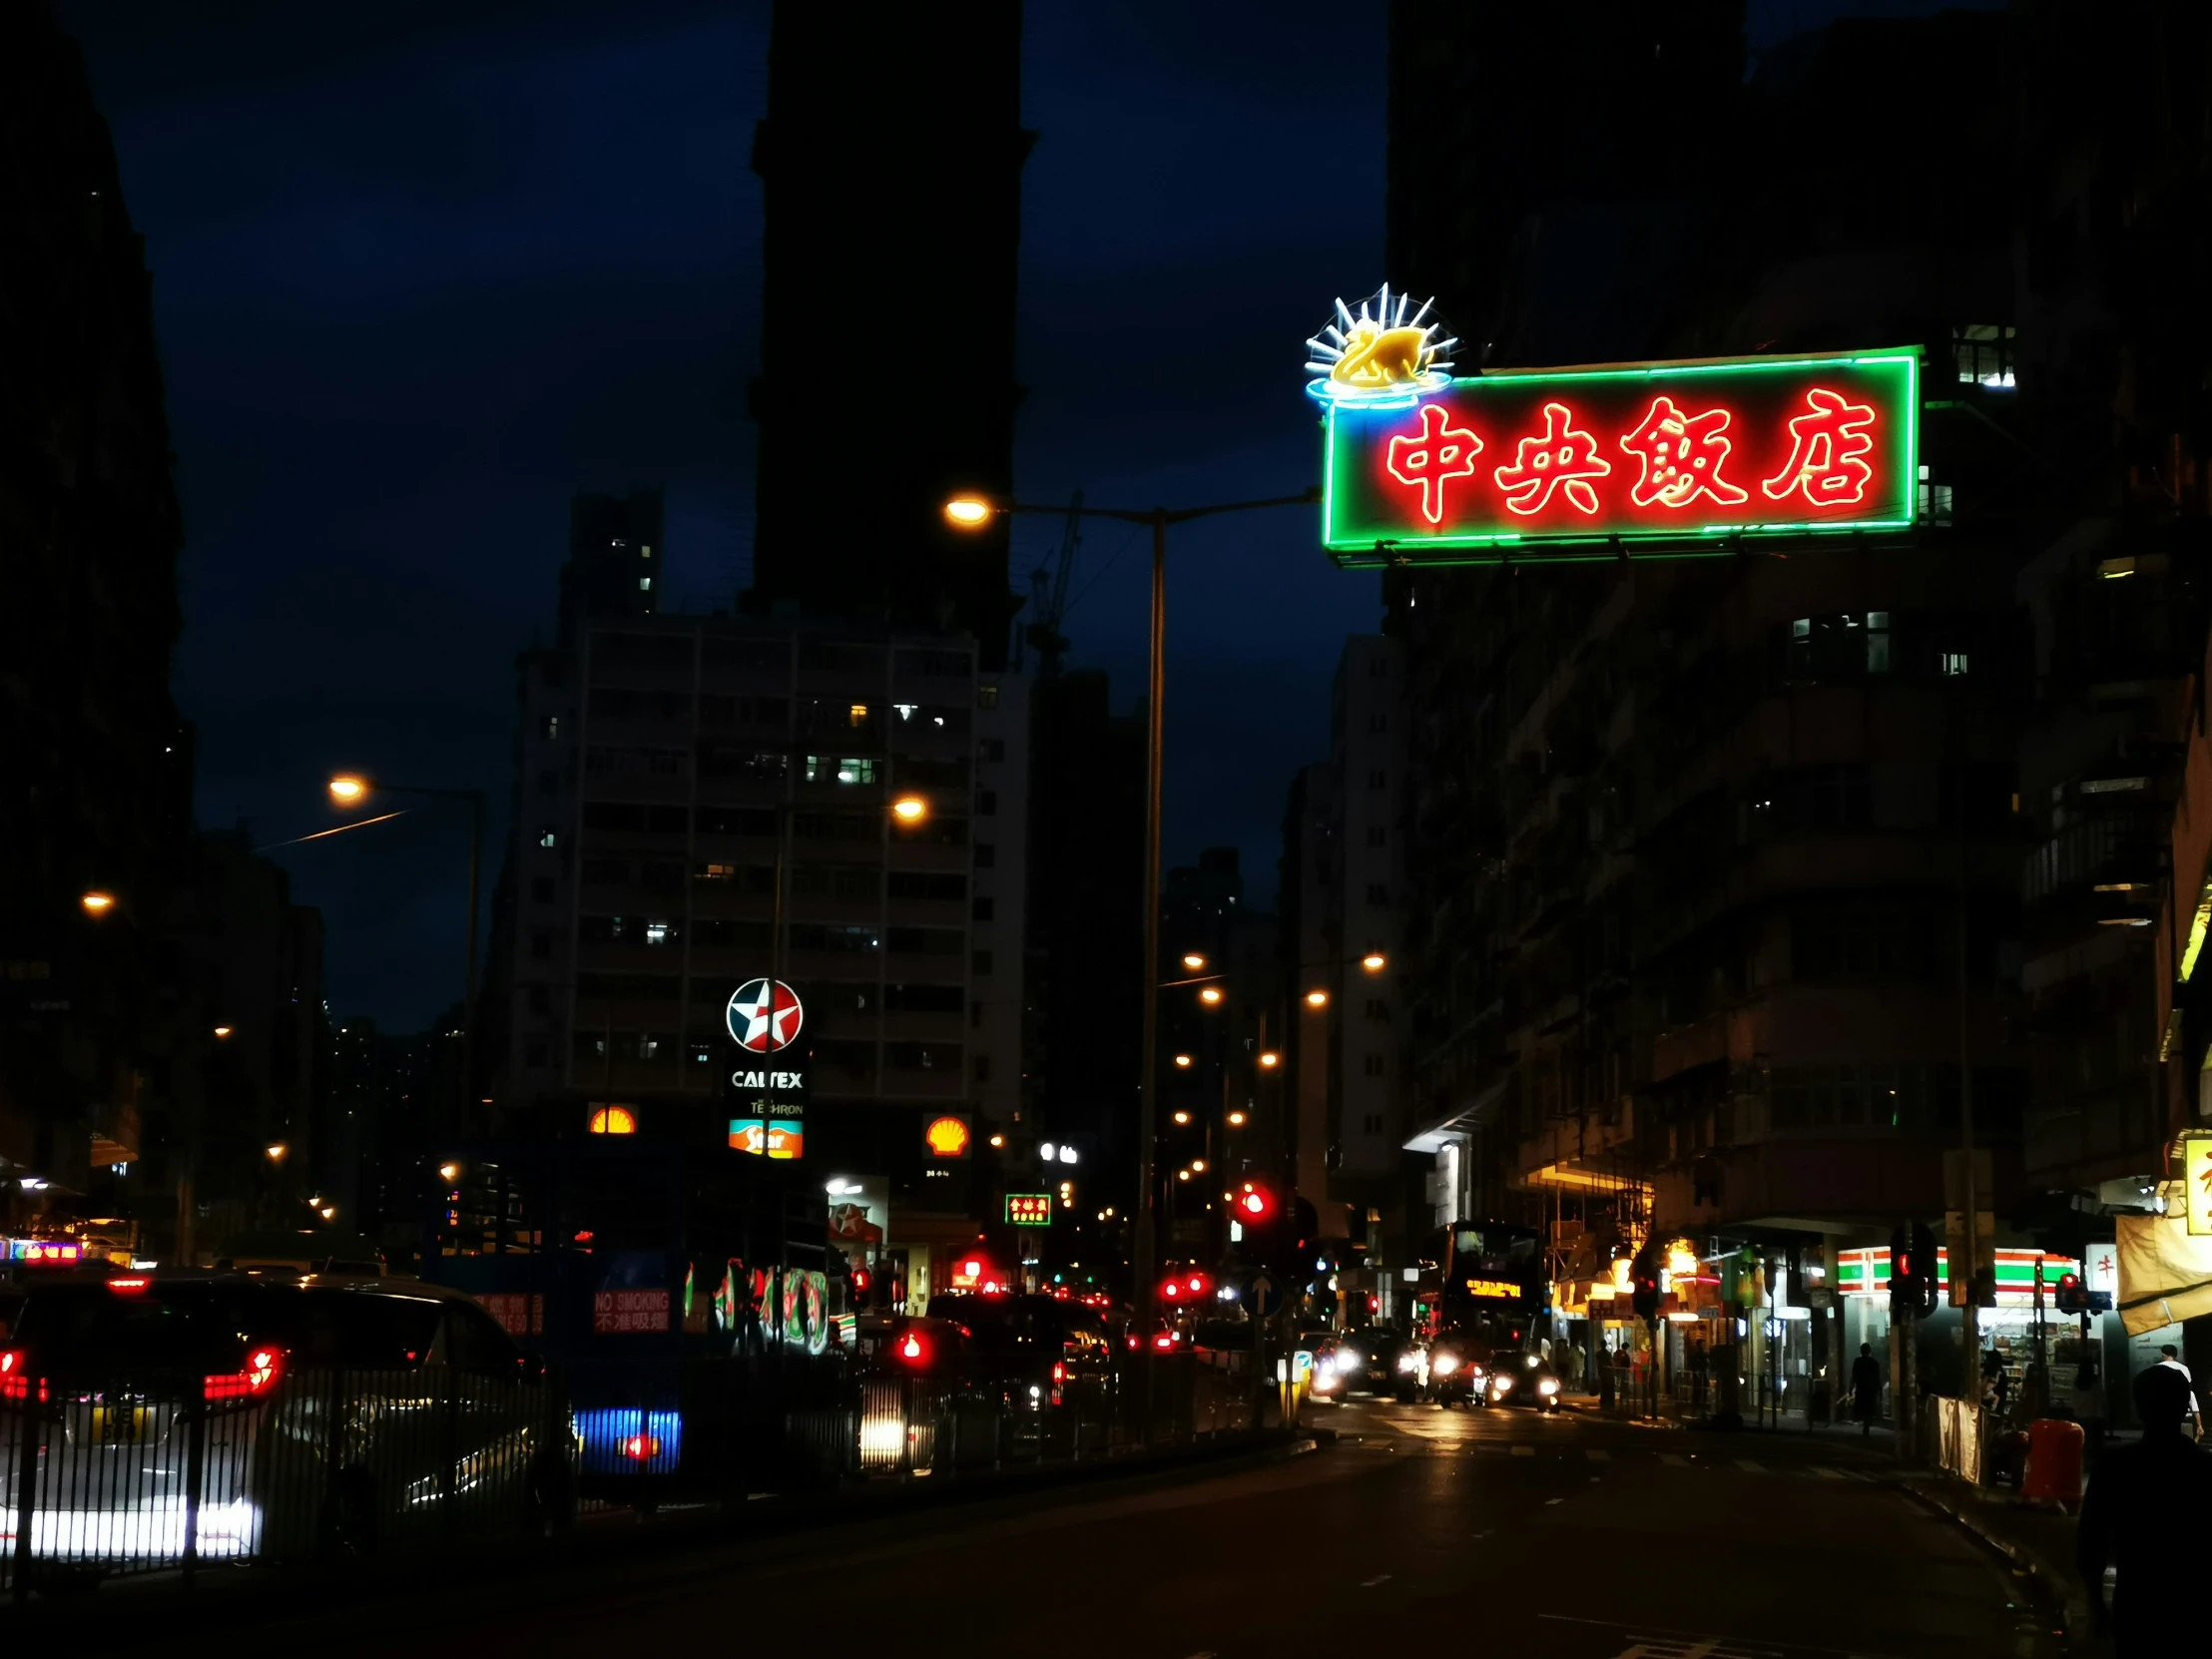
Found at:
<point>763,1019</point>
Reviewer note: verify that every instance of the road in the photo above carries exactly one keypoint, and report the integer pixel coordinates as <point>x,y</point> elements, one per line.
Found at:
<point>1417,1532</point>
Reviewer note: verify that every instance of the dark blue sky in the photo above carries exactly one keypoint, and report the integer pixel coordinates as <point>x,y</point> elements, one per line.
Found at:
<point>422,268</point>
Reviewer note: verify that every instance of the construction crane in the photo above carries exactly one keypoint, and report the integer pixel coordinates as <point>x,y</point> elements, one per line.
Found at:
<point>1049,595</point>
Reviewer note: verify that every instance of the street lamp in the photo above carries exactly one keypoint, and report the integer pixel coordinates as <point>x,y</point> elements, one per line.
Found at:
<point>1317,999</point>
<point>97,904</point>
<point>1193,961</point>
<point>221,1032</point>
<point>277,1151</point>
<point>1211,995</point>
<point>1375,961</point>
<point>1270,1060</point>
<point>970,510</point>
<point>351,789</point>
<point>1183,1062</point>
<point>909,810</point>
<point>1182,1118</point>
<point>1236,1120</point>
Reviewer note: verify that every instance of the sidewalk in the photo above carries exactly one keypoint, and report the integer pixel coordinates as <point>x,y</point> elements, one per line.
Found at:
<point>2040,1542</point>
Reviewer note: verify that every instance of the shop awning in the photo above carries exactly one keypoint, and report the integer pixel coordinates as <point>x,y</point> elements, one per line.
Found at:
<point>2165,1274</point>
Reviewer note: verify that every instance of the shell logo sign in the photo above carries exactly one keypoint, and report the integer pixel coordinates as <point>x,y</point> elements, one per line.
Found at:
<point>949,1136</point>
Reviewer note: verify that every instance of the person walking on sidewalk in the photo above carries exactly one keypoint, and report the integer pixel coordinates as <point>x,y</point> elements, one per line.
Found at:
<point>1866,1389</point>
<point>2169,1359</point>
<point>2142,1514</point>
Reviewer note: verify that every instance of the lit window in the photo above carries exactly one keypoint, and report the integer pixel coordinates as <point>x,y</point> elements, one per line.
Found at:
<point>859,715</point>
<point>657,932</point>
<point>552,726</point>
<point>906,711</point>
<point>645,584</point>
<point>856,771</point>
<point>1984,355</point>
<point>547,837</point>
<point>1953,662</point>
<point>1934,500</point>
<point>1878,642</point>
<point>645,552</point>
<point>986,697</point>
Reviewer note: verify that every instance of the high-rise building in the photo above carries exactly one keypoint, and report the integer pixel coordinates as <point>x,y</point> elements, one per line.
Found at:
<point>891,164</point>
<point>614,555</point>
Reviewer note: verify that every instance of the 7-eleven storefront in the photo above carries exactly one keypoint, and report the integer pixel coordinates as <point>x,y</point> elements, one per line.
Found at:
<point>2024,1307</point>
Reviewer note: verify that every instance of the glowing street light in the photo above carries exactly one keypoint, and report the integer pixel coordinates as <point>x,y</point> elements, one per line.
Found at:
<point>1317,999</point>
<point>1270,1060</point>
<point>909,809</point>
<point>1375,961</point>
<point>97,904</point>
<point>1236,1120</point>
<point>1211,995</point>
<point>277,1151</point>
<point>330,1212</point>
<point>349,789</point>
<point>450,1172</point>
<point>221,1032</point>
<point>1181,1062</point>
<point>1193,961</point>
<point>967,512</point>
<point>1198,1166</point>
<point>1182,1117</point>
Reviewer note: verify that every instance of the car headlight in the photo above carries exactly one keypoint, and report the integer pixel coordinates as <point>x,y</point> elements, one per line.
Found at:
<point>1548,1385</point>
<point>1348,1360</point>
<point>1501,1383</point>
<point>1408,1361</point>
<point>1443,1365</point>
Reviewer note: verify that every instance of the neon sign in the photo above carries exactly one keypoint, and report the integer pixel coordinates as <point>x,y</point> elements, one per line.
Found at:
<point>1500,1288</point>
<point>1585,462</point>
<point>1029,1209</point>
<point>1383,355</point>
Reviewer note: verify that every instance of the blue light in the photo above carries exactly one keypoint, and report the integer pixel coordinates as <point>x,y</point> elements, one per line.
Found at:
<point>604,1430</point>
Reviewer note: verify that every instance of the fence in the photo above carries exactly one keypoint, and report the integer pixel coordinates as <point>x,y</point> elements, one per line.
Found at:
<point>352,1461</point>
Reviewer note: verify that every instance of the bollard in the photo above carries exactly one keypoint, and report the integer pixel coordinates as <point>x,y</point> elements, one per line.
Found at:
<point>2054,1472</point>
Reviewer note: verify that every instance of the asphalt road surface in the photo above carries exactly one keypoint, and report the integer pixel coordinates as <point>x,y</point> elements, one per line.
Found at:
<point>1419,1533</point>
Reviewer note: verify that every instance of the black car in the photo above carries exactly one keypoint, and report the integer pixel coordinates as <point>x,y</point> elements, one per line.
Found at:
<point>1458,1369</point>
<point>1523,1379</point>
<point>1369,1359</point>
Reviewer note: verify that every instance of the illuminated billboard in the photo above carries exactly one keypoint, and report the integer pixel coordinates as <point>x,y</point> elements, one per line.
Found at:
<point>2197,1174</point>
<point>1029,1209</point>
<point>1668,460</point>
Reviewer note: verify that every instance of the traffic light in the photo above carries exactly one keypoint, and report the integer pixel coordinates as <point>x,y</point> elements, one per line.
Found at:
<point>1254,1204</point>
<point>2072,1295</point>
<point>1643,1283</point>
<point>1186,1286</point>
<point>1925,1265</point>
<point>1903,1293</point>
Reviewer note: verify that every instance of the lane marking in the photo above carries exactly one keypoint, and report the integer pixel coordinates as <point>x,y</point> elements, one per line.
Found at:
<point>1550,1502</point>
<point>1379,1578</point>
<point>1674,1460</point>
<point>1825,1473</point>
<point>1750,1468</point>
<point>1524,1451</point>
<point>1597,1455</point>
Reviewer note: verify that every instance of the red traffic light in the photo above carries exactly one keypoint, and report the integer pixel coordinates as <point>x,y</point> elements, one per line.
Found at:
<point>1255,1203</point>
<point>913,1350</point>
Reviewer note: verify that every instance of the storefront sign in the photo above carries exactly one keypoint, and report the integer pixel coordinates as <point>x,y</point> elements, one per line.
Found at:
<point>1499,1289</point>
<point>774,1136</point>
<point>949,1136</point>
<point>1029,1209</point>
<point>763,1016</point>
<point>2196,1177</point>
<point>1682,459</point>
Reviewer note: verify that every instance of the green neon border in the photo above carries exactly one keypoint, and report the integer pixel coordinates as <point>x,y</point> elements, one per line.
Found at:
<point>1362,552</point>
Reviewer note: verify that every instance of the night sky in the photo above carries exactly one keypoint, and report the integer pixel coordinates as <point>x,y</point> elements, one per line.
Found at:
<point>423,269</point>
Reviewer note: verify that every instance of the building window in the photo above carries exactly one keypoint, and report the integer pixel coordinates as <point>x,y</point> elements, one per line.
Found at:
<point>1378,1008</point>
<point>1984,355</point>
<point>1377,893</point>
<point>541,947</point>
<point>986,697</point>
<point>552,727</point>
<point>1371,1066</point>
<point>982,909</point>
<point>547,838</point>
<point>659,933</point>
<point>1950,662</point>
<point>541,1000</point>
<point>1378,778</point>
<point>986,855</point>
<point>534,1056</point>
<point>1878,642</point>
<point>541,891</point>
<point>1376,834</point>
<point>982,1068</point>
<point>1372,1123</point>
<point>982,960</point>
<point>1935,501</point>
<point>1379,667</point>
<point>857,717</point>
<point>549,782</point>
<point>703,1054</point>
<point>986,803</point>
<point>1379,723</point>
<point>645,584</point>
<point>824,768</point>
<point>994,749</point>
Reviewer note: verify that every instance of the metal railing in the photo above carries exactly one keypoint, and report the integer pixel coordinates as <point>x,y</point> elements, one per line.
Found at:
<point>360,1462</point>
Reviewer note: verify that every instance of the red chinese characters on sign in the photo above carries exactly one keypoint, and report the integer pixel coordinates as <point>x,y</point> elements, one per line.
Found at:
<point>518,1314</point>
<point>1828,450</point>
<point>629,1313</point>
<point>1438,452</point>
<point>1559,460</point>
<point>1679,458</point>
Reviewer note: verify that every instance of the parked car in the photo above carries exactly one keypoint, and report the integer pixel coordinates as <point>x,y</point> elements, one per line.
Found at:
<point>331,1413</point>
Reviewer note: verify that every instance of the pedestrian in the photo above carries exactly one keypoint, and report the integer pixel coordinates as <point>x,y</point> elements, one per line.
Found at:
<point>2169,1359</point>
<point>2141,1514</point>
<point>1866,1388</point>
<point>1605,1377</point>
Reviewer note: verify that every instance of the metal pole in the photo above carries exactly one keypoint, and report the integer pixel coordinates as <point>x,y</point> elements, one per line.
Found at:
<point>469,1097</point>
<point>1148,1062</point>
<point>1970,1315</point>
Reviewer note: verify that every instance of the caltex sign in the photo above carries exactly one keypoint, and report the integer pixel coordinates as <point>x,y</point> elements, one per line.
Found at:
<point>765,1015</point>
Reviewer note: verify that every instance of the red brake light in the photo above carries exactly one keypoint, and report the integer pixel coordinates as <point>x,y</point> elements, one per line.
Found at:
<point>642,1448</point>
<point>128,1286</point>
<point>913,1350</point>
<point>15,1381</point>
<point>1059,1372</point>
<point>263,1365</point>
<point>1255,1204</point>
<point>1165,1339</point>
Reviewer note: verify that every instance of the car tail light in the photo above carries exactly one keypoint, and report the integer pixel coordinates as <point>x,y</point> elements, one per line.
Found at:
<point>642,1448</point>
<point>129,1286</point>
<point>263,1365</point>
<point>1059,1372</point>
<point>1165,1339</point>
<point>913,1350</point>
<point>15,1378</point>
